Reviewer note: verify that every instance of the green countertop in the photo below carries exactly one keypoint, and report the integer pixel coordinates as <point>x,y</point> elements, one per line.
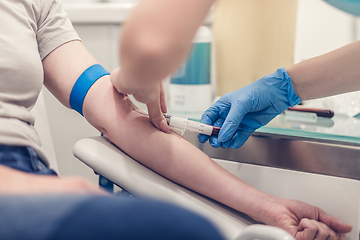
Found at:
<point>339,129</point>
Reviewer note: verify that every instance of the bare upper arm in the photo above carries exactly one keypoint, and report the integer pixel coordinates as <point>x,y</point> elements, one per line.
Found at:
<point>103,105</point>
<point>63,66</point>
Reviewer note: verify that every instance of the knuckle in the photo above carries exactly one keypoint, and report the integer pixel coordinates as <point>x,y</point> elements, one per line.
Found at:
<point>333,236</point>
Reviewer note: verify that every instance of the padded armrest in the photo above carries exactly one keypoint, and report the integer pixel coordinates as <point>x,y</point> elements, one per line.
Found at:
<point>264,232</point>
<point>109,161</point>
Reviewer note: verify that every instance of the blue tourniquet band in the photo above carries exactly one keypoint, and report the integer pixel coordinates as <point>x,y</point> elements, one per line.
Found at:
<point>83,84</point>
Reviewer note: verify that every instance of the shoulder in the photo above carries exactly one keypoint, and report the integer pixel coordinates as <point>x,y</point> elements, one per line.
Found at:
<point>49,7</point>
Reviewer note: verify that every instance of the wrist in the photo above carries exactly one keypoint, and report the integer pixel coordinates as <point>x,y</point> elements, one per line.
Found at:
<point>262,208</point>
<point>293,98</point>
<point>279,87</point>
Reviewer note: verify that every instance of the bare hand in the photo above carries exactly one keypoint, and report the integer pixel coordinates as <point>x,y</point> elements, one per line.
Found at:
<point>17,182</point>
<point>306,222</point>
<point>153,96</point>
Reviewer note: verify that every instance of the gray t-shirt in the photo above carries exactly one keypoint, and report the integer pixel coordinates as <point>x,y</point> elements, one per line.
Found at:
<point>29,31</point>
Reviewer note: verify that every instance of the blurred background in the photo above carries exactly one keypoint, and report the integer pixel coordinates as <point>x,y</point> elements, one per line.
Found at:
<point>320,28</point>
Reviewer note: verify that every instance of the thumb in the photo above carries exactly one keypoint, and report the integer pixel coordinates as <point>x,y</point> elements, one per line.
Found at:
<point>334,223</point>
<point>156,116</point>
<point>231,124</point>
<point>115,78</point>
<point>240,138</point>
<point>163,106</point>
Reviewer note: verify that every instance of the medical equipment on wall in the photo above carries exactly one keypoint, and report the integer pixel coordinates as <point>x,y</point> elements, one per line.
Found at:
<point>190,88</point>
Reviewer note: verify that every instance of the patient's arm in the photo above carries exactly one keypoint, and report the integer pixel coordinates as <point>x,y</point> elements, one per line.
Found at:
<point>172,156</point>
<point>178,160</point>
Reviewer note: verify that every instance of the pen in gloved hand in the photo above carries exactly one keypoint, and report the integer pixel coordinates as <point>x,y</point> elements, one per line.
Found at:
<point>319,112</point>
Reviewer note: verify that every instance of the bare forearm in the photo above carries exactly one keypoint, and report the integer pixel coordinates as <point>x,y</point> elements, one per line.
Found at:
<point>169,154</point>
<point>157,37</point>
<point>329,74</point>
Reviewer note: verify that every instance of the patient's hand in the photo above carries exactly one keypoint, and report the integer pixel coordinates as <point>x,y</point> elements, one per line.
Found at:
<point>304,221</point>
<point>14,182</point>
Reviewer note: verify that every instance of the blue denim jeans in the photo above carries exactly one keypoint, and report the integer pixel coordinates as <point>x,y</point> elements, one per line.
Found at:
<point>55,217</point>
<point>24,159</point>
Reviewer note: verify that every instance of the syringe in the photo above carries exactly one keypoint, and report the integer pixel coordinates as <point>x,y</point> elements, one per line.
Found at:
<point>181,124</point>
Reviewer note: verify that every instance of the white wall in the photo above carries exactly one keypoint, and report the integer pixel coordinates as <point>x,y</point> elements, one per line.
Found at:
<point>321,28</point>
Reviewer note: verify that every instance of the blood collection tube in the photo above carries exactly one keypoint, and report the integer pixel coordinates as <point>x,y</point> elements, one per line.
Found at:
<point>181,124</point>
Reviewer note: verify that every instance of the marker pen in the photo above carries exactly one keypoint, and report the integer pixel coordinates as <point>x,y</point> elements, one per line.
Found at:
<point>319,112</point>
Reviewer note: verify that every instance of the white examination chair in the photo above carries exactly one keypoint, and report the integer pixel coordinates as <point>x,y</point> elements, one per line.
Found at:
<point>112,163</point>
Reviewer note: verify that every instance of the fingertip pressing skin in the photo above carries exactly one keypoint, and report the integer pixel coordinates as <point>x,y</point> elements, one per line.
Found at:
<point>164,127</point>
<point>157,118</point>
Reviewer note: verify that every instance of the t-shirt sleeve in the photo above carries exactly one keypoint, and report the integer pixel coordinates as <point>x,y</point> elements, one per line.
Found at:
<point>54,27</point>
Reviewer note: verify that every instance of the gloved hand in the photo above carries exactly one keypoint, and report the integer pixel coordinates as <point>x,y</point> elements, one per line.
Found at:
<point>241,112</point>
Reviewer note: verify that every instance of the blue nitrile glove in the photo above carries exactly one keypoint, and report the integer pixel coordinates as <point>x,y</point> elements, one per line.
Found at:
<point>241,112</point>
